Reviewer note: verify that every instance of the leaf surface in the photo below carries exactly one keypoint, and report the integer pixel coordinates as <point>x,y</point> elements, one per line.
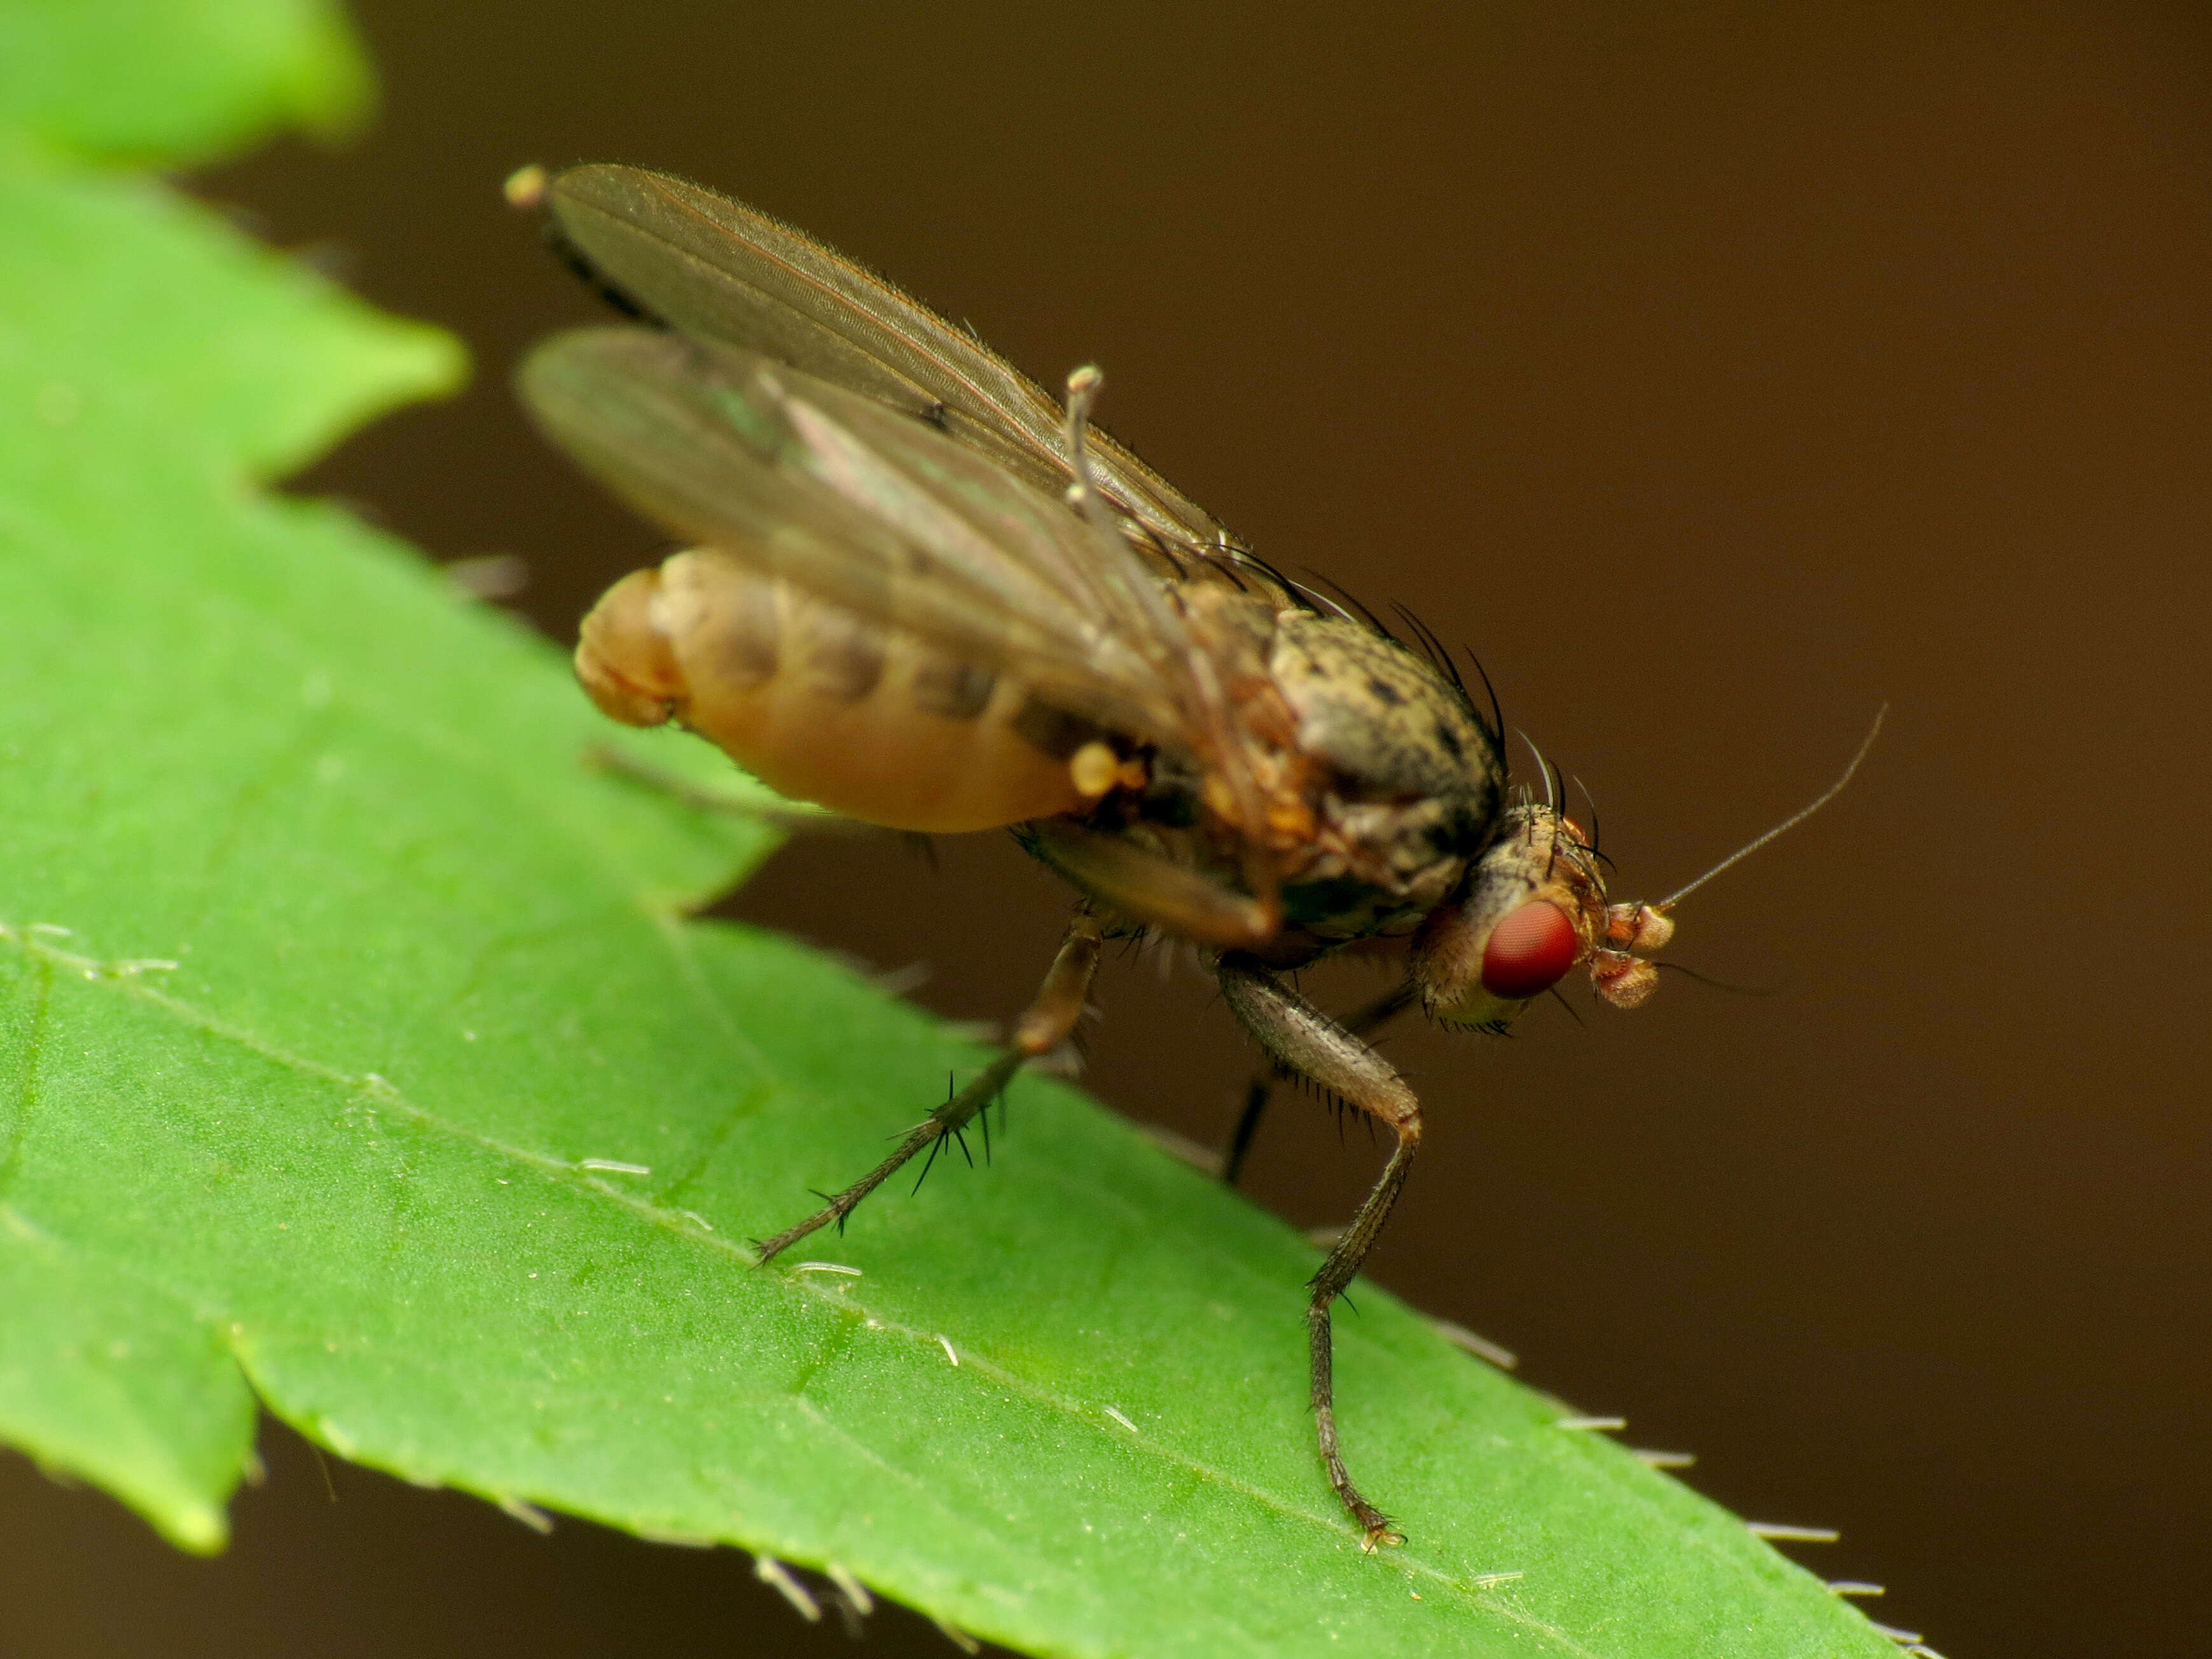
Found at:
<point>357,1055</point>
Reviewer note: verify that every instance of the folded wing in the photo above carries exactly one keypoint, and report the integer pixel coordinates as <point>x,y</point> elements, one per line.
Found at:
<point>876,513</point>
<point>721,271</point>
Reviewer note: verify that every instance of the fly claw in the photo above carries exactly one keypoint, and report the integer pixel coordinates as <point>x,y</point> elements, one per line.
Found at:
<point>922,593</point>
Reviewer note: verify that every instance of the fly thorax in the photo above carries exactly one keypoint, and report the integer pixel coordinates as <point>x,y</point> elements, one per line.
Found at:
<point>1385,721</point>
<point>1408,787</point>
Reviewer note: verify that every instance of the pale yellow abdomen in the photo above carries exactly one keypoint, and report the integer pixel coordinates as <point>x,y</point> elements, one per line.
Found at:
<point>823,706</point>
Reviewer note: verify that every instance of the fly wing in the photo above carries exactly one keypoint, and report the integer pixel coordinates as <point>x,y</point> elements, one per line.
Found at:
<point>875,512</point>
<point>719,270</point>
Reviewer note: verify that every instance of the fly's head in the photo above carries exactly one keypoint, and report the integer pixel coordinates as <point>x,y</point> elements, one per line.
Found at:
<point>1533,907</point>
<point>1531,910</point>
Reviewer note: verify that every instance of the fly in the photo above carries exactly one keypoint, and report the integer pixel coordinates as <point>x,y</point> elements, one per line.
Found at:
<point>921,593</point>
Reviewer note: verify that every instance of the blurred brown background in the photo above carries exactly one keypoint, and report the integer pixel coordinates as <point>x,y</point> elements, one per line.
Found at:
<point>1718,372</point>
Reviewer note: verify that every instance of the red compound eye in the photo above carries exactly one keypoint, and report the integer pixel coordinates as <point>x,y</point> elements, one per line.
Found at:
<point>1529,951</point>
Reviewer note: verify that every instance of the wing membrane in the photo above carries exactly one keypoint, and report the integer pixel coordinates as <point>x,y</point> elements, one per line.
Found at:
<point>865,508</point>
<point>719,270</point>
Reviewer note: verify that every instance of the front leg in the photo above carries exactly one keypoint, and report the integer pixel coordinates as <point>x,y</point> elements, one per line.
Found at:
<point>1147,887</point>
<point>1303,1039</point>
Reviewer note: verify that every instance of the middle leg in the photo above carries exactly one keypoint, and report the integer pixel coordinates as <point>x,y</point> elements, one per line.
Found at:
<point>1304,1040</point>
<point>1359,1022</point>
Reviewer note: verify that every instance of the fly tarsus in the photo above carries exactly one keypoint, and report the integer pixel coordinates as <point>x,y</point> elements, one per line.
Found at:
<point>1336,1273</point>
<point>947,1122</point>
<point>1043,1027</point>
<point>1308,1043</point>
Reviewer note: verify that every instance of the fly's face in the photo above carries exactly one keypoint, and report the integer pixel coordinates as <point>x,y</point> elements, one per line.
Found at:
<point>1532,910</point>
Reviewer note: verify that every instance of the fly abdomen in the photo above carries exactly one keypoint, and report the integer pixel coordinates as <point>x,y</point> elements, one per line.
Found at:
<point>825,706</point>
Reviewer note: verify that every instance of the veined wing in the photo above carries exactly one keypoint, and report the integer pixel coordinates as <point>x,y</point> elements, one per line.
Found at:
<point>872,511</point>
<point>720,270</point>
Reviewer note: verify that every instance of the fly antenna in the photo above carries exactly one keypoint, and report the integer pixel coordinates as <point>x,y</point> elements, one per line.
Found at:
<point>1789,823</point>
<point>1728,985</point>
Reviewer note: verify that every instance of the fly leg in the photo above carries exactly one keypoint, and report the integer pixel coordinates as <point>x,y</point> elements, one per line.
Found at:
<point>1304,1040</point>
<point>1360,1022</point>
<point>1043,1027</point>
<point>1147,887</point>
<point>616,761</point>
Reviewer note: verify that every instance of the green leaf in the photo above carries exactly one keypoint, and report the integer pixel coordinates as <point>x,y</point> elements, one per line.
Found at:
<point>356,1053</point>
<point>171,82</point>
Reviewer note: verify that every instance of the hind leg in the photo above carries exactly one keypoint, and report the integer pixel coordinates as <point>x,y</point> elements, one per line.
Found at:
<point>1042,1027</point>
